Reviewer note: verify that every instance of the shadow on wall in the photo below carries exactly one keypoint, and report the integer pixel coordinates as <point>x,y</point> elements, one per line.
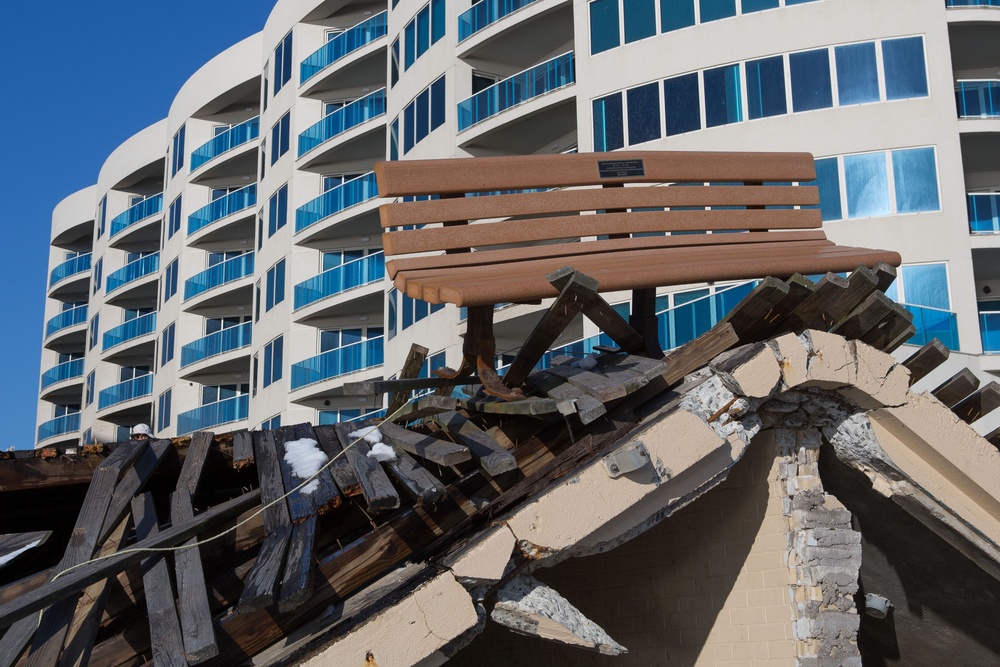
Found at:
<point>662,593</point>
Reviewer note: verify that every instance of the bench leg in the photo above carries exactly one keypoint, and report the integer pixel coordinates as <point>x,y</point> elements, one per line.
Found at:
<point>479,354</point>
<point>597,310</point>
<point>643,318</point>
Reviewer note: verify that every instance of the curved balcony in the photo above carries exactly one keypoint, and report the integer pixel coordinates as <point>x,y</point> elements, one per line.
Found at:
<point>140,326</point>
<point>207,416</point>
<point>215,344</point>
<point>978,99</point>
<point>66,319</point>
<point>132,271</point>
<point>339,279</point>
<point>933,323</point>
<point>340,198</point>
<point>517,89</point>
<point>221,274</point>
<point>972,3</point>
<point>222,143</point>
<point>340,361</point>
<point>67,370</point>
<point>343,119</point>
<point>347,42</point>
<point>223,207</point>
<point>485,13</point>
<point>984,212</point>
<point>135,214</point>
<point>125,391</point>
<point>59,426</point>
<point>71,267</point>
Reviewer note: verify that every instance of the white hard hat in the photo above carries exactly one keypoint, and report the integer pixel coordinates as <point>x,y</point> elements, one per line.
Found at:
<point>142,429</point>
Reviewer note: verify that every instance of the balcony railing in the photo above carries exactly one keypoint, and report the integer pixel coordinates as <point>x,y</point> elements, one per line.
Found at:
<point>67,318</point>
<point>344,196</point>
<point>984,213</point>
<point>125,391</point>
<point>216,343</point>
<point>235,136</point>
<point>346,42</point>
<point>989,330</point>
<point>222,412</point>
<point>978,99</point>
<point>343,119</point>
<point>140,326</point>
<point>133,271</point>
<point>137,213</point>
<point>64,371</point>
<point>349,275</point>
<point>484,13</point>
<point>216,276</point>
<point>933,323</point>
<point>512,91</point>
<point>58,426</point>
<point>222,207</point>
<point>340,361</point>
<point>70,267</point>
<point>972,3</point>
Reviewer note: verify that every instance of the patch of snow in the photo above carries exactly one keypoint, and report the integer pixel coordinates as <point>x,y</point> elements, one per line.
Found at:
<point>587,362</point>
<point>382,452</point>
<point>306,458</point>
<point>14,554</point>
<point>369,433</point>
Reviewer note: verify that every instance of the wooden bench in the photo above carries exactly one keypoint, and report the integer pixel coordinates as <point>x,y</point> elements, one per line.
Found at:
<point>480,231</point>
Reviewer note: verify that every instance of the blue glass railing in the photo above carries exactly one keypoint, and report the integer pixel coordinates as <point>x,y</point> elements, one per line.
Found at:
<point>972,3</point>
<point>58,426</point>
<point>70,267</point>
<point>125,391</point>
<point>349,275</point>
<point>523,86</point>
<point>235,136</point>
<point>64,371</point>
<point>137,213</point>
<point>216,343</point>
<point>132,271</point>
<point>140,326</point>
<point>984,213</point>
<point>346,42</point>
<point>222,412</point>
<point>344,196</point>
<point>219,275</point>
<point>989,330</point>
<point>933,323</point>
<point>340,361</point>
<point>484,13</point>
<point>978,99</point>
<point>67,318</point>
<point>235,201</point>
<point>343,119</point>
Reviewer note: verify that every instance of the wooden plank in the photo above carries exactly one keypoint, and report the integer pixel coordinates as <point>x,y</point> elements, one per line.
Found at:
<point>829,289</point>
<point>340,470</point>
<point>326,497</point>
<point>599,311</point>
<point>378,491</point>
<point>568,398</point>
<point>926,359</point>
<point>756,305</point>
<point>300,505</point>
<point>696,353</point>
<point>979,404</point>
<point>411,369</point>
<point>632,372</point>
<point>296,582</point>
<point>750,329</point>
<point>242,449</point>
<point>885,274</point>
<point>132,482</point>
<point>164,628</point>
<point>21,543</point>
<point>532,406</point>
<point>860,284</point>
<point>600,387</point>
<point>426,447</point>
<point>423,407</point>
<point>865,317</point>
<point>374,387</point>
<point>993,437</point>
<point>887,333</point>
<point>418,482</point>
<point>492,457</point>
<point>957,387</point>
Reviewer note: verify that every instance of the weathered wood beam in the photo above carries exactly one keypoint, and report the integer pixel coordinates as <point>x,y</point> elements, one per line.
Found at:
<point>749,328</point>
<point>531,406</point>
<point>830,289</point>
<point>569,399</point>
<point>756,306</point>
<point>957,387</point>
<point>891,331</point>
<point>379,493</point>
<point>242,449</point>
<point>326,497</point>
<point>860,285</point>
<point>418,482</point>
<point>885,274</point>
<point>979,404</point>
<point>925,360</point>
<point>600,387</point>
<point>599,311</point>
<point>426,447</point>
<point>21,542</point>
<point>492,457</point>
<point>411,368</point>
<point>874,309</point>
<point>133,481</point>
<point>340,469</point>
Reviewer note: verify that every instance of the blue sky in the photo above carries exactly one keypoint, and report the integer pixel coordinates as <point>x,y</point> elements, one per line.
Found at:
<point>79,79</point>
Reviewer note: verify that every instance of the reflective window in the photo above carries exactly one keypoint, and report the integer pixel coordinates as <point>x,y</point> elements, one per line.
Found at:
<point>283,63</point>
<point>408,127</point>
<point>608,127</point>
<point>905,72</point>
<point>170,280</point>
<point>926,285</point>
<point>274,286</point>
<point>758,5</point>
<point>174,217</point>
<point>723,103</point>
<point>914,174</point>
<point>163,410</point>
<point>423,31</point>
<point>766,87</point>
<point>640,19</point>
<point>676,14</point>
<point>176,158</point>
<point>643,113</point>
<point>273,356</point>
<point>423,114</point>
<point>437,20</point>
<point>167,344</point>
<point>410,44</point>
<point>437,104</point>
<point>828,180</point>
<point>713,10</point>
<point>810,73</point>
<point>280,137</point>
<point>277,210</point>
<point>867,185</point>
<point>857,73</point>
<point>681,105</point>
<point>603,25</point>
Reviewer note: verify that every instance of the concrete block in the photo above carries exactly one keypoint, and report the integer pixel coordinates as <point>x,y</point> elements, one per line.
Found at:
<point>832,361</point>
<point>793,357</point>
<point>484,561</point>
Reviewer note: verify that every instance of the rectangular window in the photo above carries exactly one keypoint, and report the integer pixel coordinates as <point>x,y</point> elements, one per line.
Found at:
<point>437,20</point>
<point>394,63</point>
<point>925,285</point>
<point>174,217</point>
<point>273,353</point>
<point>394,140</point>
<point>97,275</point>
<point>905,70</point>
<point>676,14</point>
<point>177,152</point>
<point>640,19</point>
<point>283,63</point>
<point>722,96</point>
<point>88,396</point>
<point>828,180</point>
<point>867,185</point>
<point>857,73</point>
<point>713,10</point>
<point>643,113</point>
<point>766,87</point>
<point>280,136</point>
<point>423,30</point>
<point>408,128</point>
<point>102,216</point>
<point>609,129</point>
<point>272,424</point>
<point>681,105</point>
<point>277,210</point>
<point>758,5</point>
<point>170,280</point>
<point>167,344</point>
<point>810,73</point>
<point>163,410</point>
<point>603,25</point>
<point>423,112</point>
<point>275,286</point>
<point>914,174</point>
<point>409,44</point>
<point>437,104</point>
<point>93,330</point>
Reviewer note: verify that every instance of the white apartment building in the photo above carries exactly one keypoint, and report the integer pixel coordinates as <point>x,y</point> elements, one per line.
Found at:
<point>225,270</point>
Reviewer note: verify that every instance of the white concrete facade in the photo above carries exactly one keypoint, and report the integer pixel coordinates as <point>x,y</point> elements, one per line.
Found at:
<point>236,342</point>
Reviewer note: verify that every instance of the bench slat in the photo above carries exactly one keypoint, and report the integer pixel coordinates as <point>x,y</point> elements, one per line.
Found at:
<point>486,174</point>
<point>554,202</point>
<point>546,229</point>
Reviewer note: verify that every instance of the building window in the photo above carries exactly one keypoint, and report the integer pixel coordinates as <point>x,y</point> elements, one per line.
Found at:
<point>283,63</point>
<point>604,25</point>
<point>167,344</point>
<point>425,29</point>
<point>681,104</point>
<point>280,137</point>
<point>275,286</point>
<point>922,285</point>
<point>215,393</point>
<point>723,104</point>
<point>273,354</point>
<point>88,395</point>
<point>766,88</point>
<point>97,274</point>
<point>93,330</point>
<point>424,114</point>
<point>102,215</point>
<point>170,280</point>
<point>676,14</point>
<point>713,10</point>
<point>394,63</point>
<point>177,152</point>
<point>914,174</point>
<point>337,416</point>
<point>174,217</point>
<point>609,134</point>
<point>163,410</point>
<point>810,74</point>
<point>394,140</point>
<point>905,68</point>
<point>857,74</point>
<point>643,113</point>
<point>867,185</point>
<point>828,180</point>
<point>277,207</point>
<point>272,424</point>
<point>640,19</point>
